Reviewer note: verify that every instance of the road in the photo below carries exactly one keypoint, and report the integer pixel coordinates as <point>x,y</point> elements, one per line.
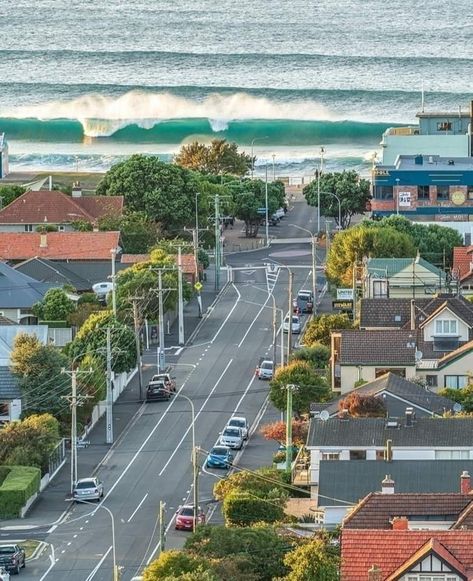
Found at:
<point>151,462</point>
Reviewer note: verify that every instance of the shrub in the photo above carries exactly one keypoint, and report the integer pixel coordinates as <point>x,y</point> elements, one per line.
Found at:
<point>20,483</point>
<point>242,509</point>
<point>317,355</point>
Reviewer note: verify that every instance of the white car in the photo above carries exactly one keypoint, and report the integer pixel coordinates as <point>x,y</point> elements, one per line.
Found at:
<point>101,289</point>
<point>232,438</point>
<point>296,324</point>
<point>280,213</point>
<point>239,422</point>
<point>88,489</point>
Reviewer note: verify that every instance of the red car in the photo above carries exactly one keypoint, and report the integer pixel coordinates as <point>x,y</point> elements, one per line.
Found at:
<point>185,518</point>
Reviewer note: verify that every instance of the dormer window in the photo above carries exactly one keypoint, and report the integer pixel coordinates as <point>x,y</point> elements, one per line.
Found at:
<point>446,327</point>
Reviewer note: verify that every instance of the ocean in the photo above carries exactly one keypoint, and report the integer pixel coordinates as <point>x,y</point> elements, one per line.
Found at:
<point>83,84</point>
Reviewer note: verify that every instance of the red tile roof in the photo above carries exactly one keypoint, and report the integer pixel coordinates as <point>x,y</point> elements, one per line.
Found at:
<point>461,261</point>
<point>390,550</point>
<point>16,246</point>
<point>53,207</point>
<point>188,261</point>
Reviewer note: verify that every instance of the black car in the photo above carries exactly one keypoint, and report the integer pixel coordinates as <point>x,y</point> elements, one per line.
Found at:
<point>12,558</point>
<point>157,391</point>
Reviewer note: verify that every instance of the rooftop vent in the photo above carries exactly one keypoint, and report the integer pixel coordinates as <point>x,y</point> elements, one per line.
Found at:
<point>392,424</point>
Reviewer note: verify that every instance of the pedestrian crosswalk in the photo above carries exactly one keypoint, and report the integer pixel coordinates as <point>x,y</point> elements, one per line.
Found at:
<point>272,275</point>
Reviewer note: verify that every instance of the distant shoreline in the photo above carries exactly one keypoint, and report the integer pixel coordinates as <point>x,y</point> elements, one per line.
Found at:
<point>88,180</point>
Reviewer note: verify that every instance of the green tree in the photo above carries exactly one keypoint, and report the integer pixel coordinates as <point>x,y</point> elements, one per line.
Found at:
<point>316,354</point>
<point>137,232</point>
<point>463,396</point>
<point>38,368</point>
<point>353,191</point>
<point>264,482</point>
<point>164,192</point>
<point>351,246</point>
<point>55,306</point>
<point>219,158</point>
<point>312,561</point>
<point>91,339</point>
<point>10,193</point>
<point>198,575</point>
<point>311,387</point>
<point>319,329</point>
<point>82,226</point>
<point>174,563</point>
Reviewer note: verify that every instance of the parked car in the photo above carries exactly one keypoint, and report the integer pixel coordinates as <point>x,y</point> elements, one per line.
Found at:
<point>219,457</point>
<point>304,302</point>
<point>88,489</point>
<point>264,369</point>
<point>168,380</point>
<point>157,391</point>
<point>240,422</point>
<point>185,517</point>
<point>280,213</point>
<point>296,324</point>
<point>232,437</point>
<point>101,289</point>
<point>12,558</point>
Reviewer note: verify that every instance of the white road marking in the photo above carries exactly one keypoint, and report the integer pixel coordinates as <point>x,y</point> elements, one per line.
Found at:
<point>228,316</point>
<point>254,321</point>
<point>52,558</point>
<point>138,507</point>
<point>99,564</point>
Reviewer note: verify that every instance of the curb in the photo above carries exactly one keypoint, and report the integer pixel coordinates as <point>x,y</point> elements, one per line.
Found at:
<point>207,314</point>
<point>38,551</point>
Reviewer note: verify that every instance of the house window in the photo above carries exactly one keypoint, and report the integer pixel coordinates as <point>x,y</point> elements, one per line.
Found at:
<point>446,327</point>
<point>431,380</point>
<point>28,227</point>
<point>469,192</point>
<point>443,193</point>
<point>4,409</point>
<point>452,455</point>
<point>330,455</point>
<point>380,289</point>
<point>357,454</point>
<point>436,577</point>
<point>423,192</point>
<point>456,381</point>
<point>444,126</point>
<point>383,193</point>
<point>61,228</point>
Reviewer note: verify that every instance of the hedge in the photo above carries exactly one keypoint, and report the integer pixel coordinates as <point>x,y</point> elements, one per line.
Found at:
<point>20,483</point>
<point>242,509</point>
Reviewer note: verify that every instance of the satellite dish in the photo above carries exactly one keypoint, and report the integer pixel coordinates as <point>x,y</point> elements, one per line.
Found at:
<point>324,415</point>
<point>457,407</point>
<point>419,355</point>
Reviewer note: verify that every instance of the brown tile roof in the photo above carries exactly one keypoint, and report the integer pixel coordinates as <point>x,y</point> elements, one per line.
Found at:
<point>391,550</point>
<point>461,261</point>
<point>134,258</point>
<point>53,207</point>
<point>15,246</point>
<point>376,510</point>
<point>377,347</point>
<point>188,261</point>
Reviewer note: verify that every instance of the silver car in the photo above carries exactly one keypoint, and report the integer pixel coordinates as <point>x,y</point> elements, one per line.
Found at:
<point>232,438</point>
<point>88,489</point>
<point>239,422</point>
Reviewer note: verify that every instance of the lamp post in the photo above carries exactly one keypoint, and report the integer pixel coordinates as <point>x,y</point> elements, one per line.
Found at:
<point>322,153</point>
<point>339,207</point>
<point>274,168</point>
<point>397,196</point>
<point>266,210</point>
<point>313,239</point>
<point>253,141</point>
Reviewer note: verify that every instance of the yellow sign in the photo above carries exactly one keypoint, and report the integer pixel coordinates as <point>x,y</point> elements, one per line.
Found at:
<point>458,198</point>
<point>198,286</point>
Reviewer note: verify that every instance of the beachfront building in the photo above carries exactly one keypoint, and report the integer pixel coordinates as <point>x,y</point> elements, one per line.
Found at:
<point>427,188</point>
<point>441,133</point>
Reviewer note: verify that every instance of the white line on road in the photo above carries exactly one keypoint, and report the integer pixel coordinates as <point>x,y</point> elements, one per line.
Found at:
<point>138,507</point>
<point>196,416</point>
<point>99,564</point>
<point>254,321</point>
<point>229,314</point>
<point>52,558</point>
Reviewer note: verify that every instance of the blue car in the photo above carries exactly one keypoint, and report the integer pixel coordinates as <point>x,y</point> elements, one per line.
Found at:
<point>219,457</point>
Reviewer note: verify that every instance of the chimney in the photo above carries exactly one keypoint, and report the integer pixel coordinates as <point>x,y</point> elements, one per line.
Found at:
<point>43,240</point>
<point>387,485</point>
<point>465,482</point>
<point>409,417</point>
<point>413,315</point>
<point>400,523</point>
<point>388,451</point>
<point>375,574</point>
<point>76,190</point>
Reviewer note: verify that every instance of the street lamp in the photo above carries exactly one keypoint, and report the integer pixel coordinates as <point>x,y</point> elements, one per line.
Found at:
<point>322,153</point>
<point>339,206</point>
<point>253,141</point>
<point>266,210</point>
<point>313,239</point>
<point>397,196</point>
<point>274,169</point>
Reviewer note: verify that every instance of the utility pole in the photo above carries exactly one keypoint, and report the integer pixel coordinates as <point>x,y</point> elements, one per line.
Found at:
<point>217,243</point>
<point>266,210</point>
<point>290,388</point>
<point>195,242</point>
<point>109,419</point>
<point>314,273</point>
<point>162,526</point>
<point>275,334</point>
<point>289,332</point>
<point>136,322</point>
<point>180,299</point>
<point>195,470</point>
<point>113,252</point>
<point>74,401</point>
<point>162,357</point>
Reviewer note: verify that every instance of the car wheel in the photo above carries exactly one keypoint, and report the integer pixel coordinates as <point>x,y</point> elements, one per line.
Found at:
<point>24,563</point>
<point>16,570</point>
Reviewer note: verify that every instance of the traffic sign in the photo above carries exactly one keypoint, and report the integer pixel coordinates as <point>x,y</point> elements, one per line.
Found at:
<point>198,286</point>
<point>261,210</point>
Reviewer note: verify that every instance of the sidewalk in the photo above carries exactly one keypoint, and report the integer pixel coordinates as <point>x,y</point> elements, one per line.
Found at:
<point>51,503</point>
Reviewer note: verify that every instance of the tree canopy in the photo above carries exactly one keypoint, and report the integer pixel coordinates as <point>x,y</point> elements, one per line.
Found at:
<point>317,354</point>
<point>172,564</point>
<point>277,431</point>
<point>220,157</point>
<point>10,193</point>
<point>353,192</point>
<point>319,329</point>
<point>362,406</point>
<point>55,306</point>
<point>312,561</point>
<point>137,232</point>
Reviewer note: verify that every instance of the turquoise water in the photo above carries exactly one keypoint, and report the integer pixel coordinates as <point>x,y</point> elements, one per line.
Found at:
<point>87,83</point>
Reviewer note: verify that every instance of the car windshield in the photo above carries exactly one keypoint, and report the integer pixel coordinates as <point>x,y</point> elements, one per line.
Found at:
<point>267,365</point>
<point>7,550</point>
<point>187,511</point>
<point>86,484</point>
<point>295,319</point>
<point>219,451</point>
<point>157,385</point>
<point>232,432</point>
<point>237,423</point>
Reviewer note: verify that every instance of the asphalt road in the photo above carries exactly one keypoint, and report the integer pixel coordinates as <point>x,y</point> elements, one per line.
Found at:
<point>152,461</point>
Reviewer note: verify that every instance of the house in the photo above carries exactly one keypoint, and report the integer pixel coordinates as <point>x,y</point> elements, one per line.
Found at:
<point>53,208</point>
<point>427,338</point>
<point>384,278</point>
<point>20,246</point>
<point>462,269</point>
<point>409,537</point>
<point>397,394</point>
<point>342,485</point>
<point>348,439</point>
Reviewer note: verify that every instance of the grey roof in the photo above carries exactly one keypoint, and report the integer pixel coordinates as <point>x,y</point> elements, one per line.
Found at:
<point>8,385</point>
<point>377,347</point>
<point>379,267</point>
<point>82,275</point>
<point>350,481</point>
<point>19,291</point>
<point>373,432</point>
<point>407,394</point>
